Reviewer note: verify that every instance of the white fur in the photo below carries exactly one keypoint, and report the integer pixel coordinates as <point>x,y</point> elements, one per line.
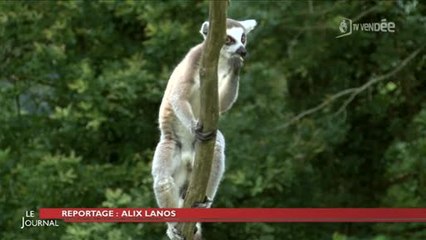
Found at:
<point>204,28</point>
<point>236,33</point>
<point>248,24</point>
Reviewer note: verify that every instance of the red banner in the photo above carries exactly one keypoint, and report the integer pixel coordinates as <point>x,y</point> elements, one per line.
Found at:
<point>235,214</point>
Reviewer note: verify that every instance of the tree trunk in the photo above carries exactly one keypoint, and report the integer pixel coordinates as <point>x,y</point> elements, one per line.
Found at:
<point>209,111</point>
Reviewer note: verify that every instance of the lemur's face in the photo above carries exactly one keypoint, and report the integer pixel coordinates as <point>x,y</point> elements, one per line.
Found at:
<point>236,37</point>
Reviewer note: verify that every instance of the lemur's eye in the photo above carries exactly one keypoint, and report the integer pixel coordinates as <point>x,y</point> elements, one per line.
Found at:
<point>243,38</point>
<point>229,40</point>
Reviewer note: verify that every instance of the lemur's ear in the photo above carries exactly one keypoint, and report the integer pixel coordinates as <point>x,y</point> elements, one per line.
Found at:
<point>248,24</point>
<point>204,29</point>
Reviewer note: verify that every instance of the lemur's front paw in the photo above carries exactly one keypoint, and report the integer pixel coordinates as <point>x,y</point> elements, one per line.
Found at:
<point>204,204</point>
<point>201,135</point>
<point>174,234</point>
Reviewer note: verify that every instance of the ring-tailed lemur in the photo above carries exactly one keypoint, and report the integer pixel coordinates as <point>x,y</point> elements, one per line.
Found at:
<point>178,119</point>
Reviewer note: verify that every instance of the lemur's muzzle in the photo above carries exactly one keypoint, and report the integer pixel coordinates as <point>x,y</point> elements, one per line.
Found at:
<point>242,51</point>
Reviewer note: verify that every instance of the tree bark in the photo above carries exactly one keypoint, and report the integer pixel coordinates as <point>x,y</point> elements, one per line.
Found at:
<point>209,110</point>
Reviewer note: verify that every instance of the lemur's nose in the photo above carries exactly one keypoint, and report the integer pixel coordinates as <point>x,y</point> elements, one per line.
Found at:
<point>242,51</point>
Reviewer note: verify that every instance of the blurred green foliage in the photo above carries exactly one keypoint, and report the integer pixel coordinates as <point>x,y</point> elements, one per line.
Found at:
<point>81,83</point>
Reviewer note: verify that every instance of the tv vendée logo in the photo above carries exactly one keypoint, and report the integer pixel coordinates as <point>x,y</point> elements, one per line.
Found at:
<point>346,27</point>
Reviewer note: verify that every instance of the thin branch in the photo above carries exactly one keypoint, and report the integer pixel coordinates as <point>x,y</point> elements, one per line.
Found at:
<point>352,91</point>
<point>317,108</point>
<point>317,11</point>
<point>311,6</point>
<point>17,99</point>
<point>378,79</point>
<point>366,12</point>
